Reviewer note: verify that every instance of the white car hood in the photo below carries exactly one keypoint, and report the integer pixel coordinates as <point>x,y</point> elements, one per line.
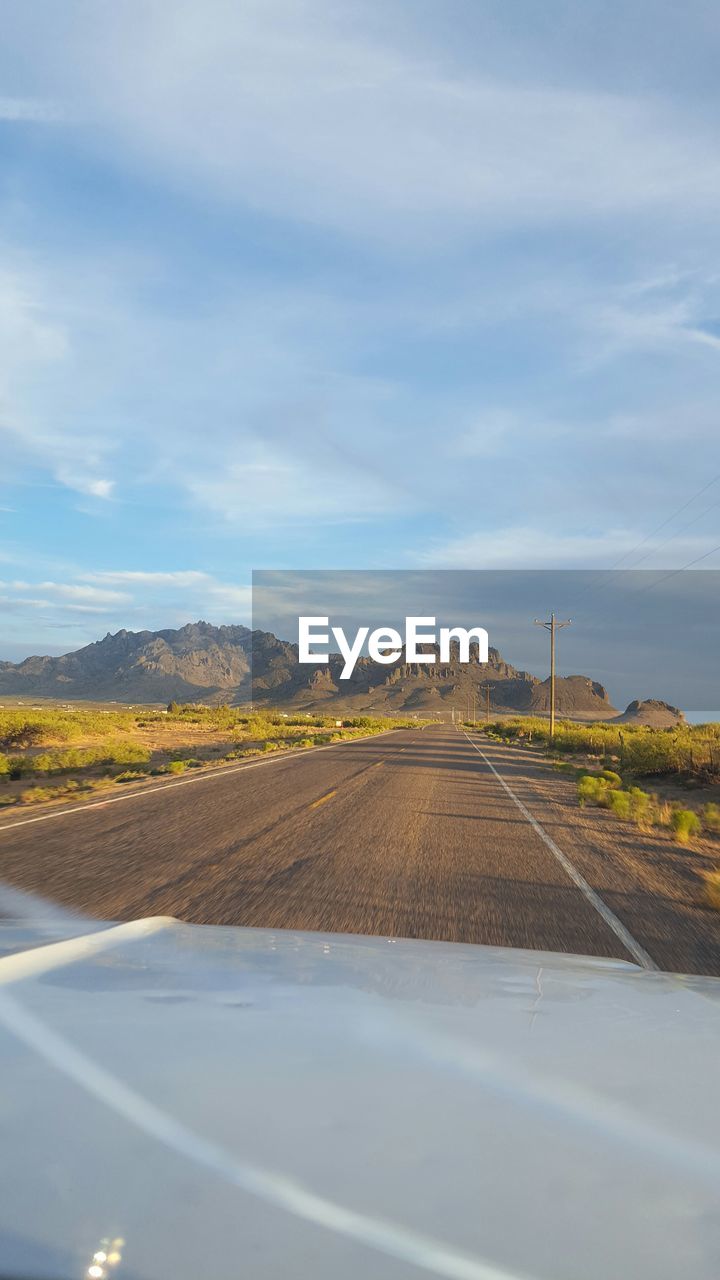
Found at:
<point>238,1102</point>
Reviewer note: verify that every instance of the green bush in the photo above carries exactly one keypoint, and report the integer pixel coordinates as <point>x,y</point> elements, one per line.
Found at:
<point>711,817</point>
<point>640,749</point>
<point>176,766</point>
<point>78,758</point>
<point>621,804</point>
<point>592,789</point>
<point>641,807</point>
<point>613,779</point>
<point>587,790</point>
<point>685,825</point>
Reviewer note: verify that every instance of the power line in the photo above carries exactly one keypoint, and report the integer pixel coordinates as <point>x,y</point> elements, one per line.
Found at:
<point>683,527</point>
<point>682,569</point>
<point>669,519</point>
<point>663,524</point>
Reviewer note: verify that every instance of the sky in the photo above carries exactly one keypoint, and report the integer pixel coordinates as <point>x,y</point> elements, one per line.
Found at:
<point>340,285</point>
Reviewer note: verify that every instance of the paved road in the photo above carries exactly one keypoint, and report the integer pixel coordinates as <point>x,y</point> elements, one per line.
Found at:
<point>410,834</point>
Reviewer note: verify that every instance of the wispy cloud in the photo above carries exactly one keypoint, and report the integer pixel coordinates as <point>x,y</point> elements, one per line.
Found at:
<point>201,590</point>
<point>243,96</point>
<point>31,110</point>
<point>75,593</point>
<point>36,343</point>
<point>159,578</point>
<point>532,547</point>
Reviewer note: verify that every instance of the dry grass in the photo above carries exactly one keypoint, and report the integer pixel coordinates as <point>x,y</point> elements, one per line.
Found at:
<point>139,744</point>
<point>712,888</point>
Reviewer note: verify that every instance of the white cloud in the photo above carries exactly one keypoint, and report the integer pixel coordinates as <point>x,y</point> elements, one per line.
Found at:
<point>534,547</point>
<point>75,592</point>
<point>94,487</point>
<point>177,577</point>
<point>30,110</point>
<point>319,119</point>
<point>276,486</point>
<point>35,354</point>
<point>27,602</point>
<point>204,590</point>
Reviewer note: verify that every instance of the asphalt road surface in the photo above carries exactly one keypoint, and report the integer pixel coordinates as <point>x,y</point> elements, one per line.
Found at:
<point>411,834</point>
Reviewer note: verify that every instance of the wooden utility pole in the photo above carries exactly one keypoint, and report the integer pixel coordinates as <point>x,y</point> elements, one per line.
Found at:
<point>487,687</point>
<point>552,626</point>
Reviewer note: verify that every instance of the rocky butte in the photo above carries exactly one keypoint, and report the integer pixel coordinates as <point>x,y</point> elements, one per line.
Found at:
<point>208,664</point>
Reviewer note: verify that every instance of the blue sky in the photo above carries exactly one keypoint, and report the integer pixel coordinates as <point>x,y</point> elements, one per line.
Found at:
<point>326,285</point>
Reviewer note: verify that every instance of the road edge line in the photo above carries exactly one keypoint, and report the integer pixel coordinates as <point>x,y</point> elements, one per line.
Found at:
<point>631,945</point>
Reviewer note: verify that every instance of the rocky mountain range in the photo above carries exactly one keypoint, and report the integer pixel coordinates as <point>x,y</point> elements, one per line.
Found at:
<point>208,664</point>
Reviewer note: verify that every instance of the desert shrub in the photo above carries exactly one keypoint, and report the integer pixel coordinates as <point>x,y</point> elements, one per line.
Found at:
<point>613,779</point>
<point>4,765</point>
<point>22,733</point>
<point>592,789</point>
<point>587,790</point>
<point>36,795</point>
<point>20,728</point>
<point>633,805</point>
<point>176,766</point>
<point>620,803</point>
<point>641,749</point>
<point>685,825</point>
<point>130,775</point>
<point>711,817</point>
<point>72,758</point>
<point>642,808</point>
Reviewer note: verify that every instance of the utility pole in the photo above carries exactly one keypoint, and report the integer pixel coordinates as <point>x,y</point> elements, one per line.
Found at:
<point>552,626</point>
<point>474,711</point>
<point>487,687</point>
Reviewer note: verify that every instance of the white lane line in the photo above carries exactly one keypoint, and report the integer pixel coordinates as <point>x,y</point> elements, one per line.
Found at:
<point>274,1187</point>
<point>211,774</point>
<point>37,960</point>
<point>611,920</point>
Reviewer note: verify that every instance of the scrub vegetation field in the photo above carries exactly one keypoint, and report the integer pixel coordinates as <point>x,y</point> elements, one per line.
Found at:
<point>679,769</point>
<point>60,753</point>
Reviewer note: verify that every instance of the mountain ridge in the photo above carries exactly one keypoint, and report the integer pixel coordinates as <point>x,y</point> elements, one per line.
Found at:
<point>201,662</point>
